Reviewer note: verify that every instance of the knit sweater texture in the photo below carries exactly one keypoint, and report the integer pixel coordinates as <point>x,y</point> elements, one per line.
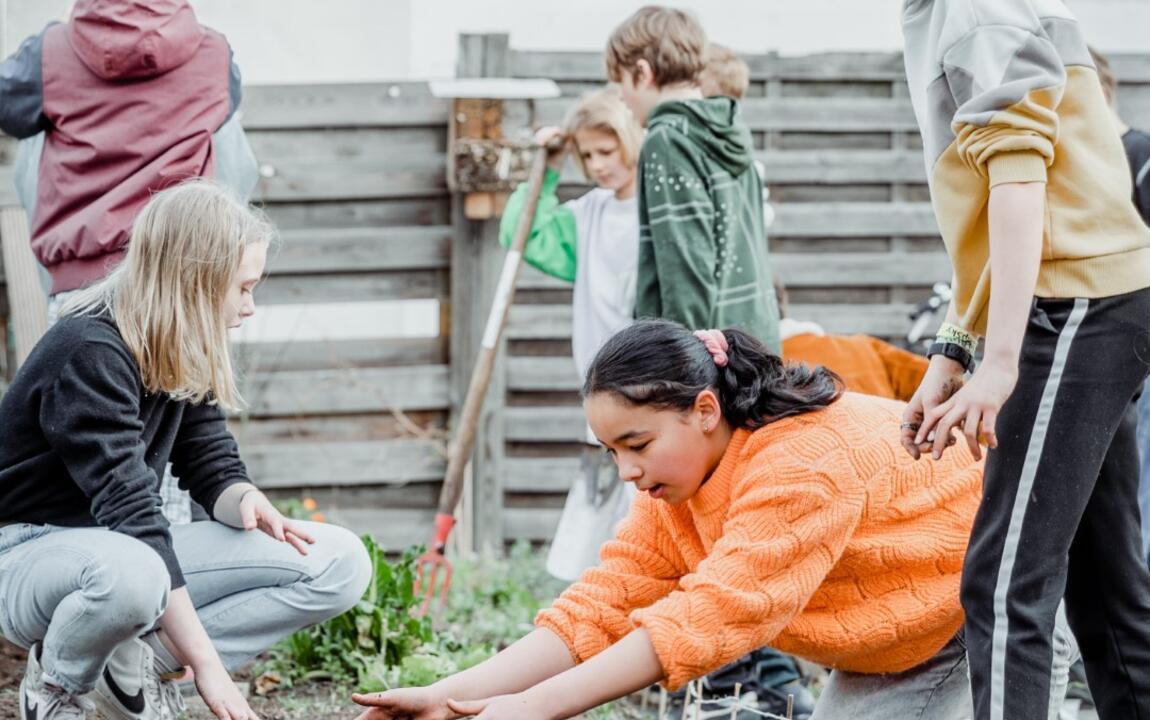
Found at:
<point>817,535</point>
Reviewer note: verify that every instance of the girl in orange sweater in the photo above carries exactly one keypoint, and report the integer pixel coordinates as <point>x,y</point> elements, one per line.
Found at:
<point>773,509</point>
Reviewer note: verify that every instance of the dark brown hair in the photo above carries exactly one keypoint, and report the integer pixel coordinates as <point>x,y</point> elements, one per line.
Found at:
<point>663,364</point>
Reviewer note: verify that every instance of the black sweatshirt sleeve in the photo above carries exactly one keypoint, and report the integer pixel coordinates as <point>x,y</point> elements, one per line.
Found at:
<point>205,457</point>
<point>91,417</point>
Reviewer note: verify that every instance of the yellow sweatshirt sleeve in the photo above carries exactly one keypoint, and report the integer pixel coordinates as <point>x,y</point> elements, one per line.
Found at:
<point>1007,81</point>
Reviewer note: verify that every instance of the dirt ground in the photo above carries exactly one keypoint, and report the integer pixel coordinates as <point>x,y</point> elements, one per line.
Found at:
<point>316,701</point>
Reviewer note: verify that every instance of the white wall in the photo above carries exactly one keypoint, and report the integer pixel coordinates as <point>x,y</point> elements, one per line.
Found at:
<point>352,40</point>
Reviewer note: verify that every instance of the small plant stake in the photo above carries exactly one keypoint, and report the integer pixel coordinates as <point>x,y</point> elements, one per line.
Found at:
<point>790,707</point>
<point>738,701</point>
<point>662,703</point>
<point>687,700</point>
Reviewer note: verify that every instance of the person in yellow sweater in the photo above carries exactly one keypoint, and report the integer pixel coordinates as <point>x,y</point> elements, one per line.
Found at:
<point>772,508</point>
<point>1032,192</point>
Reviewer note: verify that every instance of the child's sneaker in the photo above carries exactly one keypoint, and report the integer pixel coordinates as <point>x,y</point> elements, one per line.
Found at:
<point>130,688</point>
<point>42,701</point>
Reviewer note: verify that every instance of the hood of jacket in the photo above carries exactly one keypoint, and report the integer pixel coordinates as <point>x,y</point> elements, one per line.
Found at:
<point>712,125</point>
<point>128,39</point>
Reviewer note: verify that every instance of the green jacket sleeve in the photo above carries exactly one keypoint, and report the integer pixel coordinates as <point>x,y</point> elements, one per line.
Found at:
<point>551,245</point>
<point>677,249</point>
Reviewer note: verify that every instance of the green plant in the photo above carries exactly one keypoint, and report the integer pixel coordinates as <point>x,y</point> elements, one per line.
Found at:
<point>380,644</point>
<point>365,646</point>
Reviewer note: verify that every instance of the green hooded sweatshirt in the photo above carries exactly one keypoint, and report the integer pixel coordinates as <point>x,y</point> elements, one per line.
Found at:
<point>702,246</point>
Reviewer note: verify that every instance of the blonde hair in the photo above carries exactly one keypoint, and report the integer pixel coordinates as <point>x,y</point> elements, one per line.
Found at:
<point>670,40</point>
<point>1105,75</point>
<point>167,296</point>
<point>724,73</point>
<point>603,110</point>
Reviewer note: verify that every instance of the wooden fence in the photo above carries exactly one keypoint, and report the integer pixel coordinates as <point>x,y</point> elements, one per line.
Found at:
<point>356,183</point>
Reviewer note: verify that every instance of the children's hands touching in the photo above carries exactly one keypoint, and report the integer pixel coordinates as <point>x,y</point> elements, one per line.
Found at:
<point>944,378</point>
<point>556,142</point>
<point>424,703</point>
<point>521,706</point>
<point>257,512</point>
<point>973,410</point>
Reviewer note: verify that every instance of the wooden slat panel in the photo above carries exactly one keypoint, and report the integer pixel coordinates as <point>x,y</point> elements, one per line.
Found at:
<point>7,188</point>
<point>527,374</point>
<point>322,392</point>
<point>545,424</point>
<point>1130,68</point>
<point>404,104</point>
<point>539,322</point>
<point>25,293</point>
<point>254,357</point>
<point>834,167</point>
<point>330,250</point>
<point>836,66</point>
<point>354,180</point>
<point>348,144</point>
<point>853,220</point>
<point>311,465</point>
<point>815,167</point>
<point>546,322</point>
<point>824,115</point>
<point>396,529</point>
<point>539,474</point>
<point>530,523</point>
<point>820,66</point>
<point>816,269</point>
<point>400,285</point>
<point>861,269</point>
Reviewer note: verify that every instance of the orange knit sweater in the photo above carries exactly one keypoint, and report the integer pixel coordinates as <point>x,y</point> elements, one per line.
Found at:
<point>817,535</point>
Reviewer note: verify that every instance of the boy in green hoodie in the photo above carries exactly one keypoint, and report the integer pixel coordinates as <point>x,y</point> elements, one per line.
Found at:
<point>702,241</point>
<point>702,245</point>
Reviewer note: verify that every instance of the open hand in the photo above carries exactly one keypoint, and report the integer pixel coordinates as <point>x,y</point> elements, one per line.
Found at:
<point>520,706</point>
<point>221,695</point>
<point>257,512</point>
<point>555,140</point>
<point>404,704</point>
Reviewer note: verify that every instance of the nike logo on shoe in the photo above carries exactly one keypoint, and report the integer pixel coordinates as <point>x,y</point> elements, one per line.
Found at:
<point>132,703</point>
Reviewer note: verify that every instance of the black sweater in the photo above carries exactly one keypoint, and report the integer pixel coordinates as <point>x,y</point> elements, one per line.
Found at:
<point>82,443</point>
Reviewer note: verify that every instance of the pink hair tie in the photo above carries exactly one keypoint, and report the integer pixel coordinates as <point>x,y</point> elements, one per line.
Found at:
<point>716,343</point>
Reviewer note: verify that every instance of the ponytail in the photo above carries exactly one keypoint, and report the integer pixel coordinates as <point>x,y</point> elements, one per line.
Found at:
<point>662,364</point>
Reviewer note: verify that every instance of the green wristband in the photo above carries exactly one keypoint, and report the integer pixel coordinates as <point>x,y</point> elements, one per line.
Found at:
<point>950,333</point>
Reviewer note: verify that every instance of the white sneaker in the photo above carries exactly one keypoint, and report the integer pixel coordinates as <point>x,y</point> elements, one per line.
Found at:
<point>42,701</point>
<point>130,688</point>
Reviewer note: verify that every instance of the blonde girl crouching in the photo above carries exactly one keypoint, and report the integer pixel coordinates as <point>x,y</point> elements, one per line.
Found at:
<point>110,601</point>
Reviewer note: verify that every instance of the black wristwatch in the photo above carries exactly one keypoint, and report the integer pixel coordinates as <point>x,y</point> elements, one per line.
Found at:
<point>955,352</point>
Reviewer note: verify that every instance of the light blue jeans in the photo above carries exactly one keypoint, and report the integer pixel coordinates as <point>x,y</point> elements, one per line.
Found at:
<point>83,591</point>
<point>938,689</point>
<point>1143,438</point>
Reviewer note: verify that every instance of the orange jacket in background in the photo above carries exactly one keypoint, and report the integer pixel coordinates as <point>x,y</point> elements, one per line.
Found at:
<point>866,364</point>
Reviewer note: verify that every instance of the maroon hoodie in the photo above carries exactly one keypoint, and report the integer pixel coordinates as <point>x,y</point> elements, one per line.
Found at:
<point>129,92</point>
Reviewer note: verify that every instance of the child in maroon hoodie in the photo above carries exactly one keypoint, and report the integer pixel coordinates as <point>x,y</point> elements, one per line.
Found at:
<point>132,97</point>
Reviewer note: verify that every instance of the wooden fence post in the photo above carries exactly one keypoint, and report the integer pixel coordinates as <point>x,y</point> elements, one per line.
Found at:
<point>476,259</point>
